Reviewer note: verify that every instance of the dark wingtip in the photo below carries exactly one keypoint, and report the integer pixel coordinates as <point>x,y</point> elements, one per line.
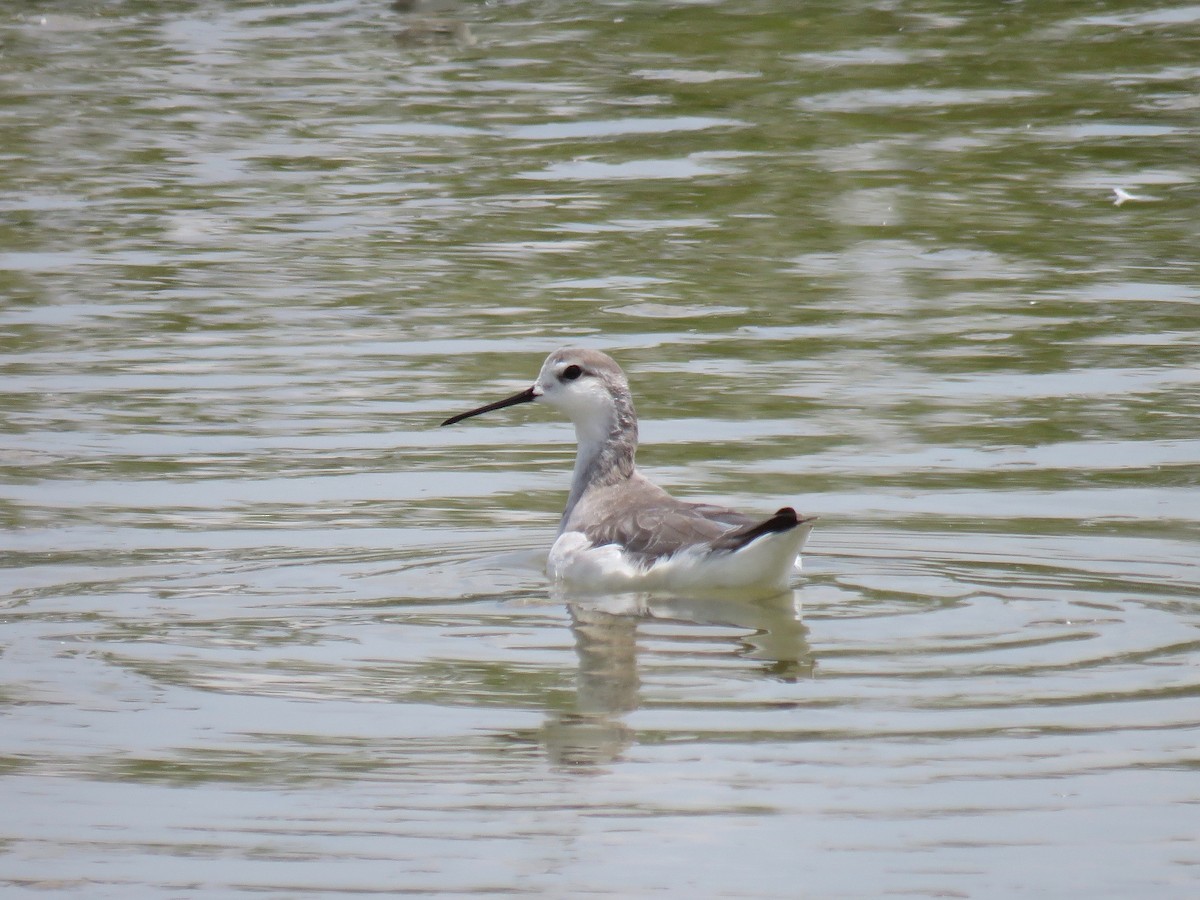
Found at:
<point>785,513</point>
<point>785,519</point>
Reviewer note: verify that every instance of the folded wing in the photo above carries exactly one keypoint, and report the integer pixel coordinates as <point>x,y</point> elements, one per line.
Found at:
<point>667,526</point>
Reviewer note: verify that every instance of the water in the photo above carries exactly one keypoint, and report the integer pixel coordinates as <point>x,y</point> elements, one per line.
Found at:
<point>267,630</point>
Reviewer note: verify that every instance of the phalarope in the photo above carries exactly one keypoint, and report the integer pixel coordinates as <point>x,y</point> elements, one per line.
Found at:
<point>620,531</point>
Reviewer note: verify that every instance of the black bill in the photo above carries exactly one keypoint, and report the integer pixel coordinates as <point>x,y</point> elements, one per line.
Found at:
<point>526,396</point>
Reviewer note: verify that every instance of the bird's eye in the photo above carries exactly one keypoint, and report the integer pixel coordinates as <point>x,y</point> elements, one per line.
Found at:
<point>570,373</point>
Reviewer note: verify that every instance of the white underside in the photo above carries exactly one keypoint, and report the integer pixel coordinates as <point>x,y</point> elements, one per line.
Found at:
<point>762,567</point>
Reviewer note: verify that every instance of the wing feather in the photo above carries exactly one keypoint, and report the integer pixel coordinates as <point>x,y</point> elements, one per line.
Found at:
<point>665,527</point>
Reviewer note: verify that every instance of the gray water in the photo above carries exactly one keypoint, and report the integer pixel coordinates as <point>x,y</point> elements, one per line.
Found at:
<point>268,631</point>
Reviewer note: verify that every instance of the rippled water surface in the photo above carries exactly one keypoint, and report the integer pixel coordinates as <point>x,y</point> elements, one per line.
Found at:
<point>268,631</point>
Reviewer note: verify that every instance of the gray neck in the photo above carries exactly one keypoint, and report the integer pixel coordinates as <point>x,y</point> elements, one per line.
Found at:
<point>605,454</point>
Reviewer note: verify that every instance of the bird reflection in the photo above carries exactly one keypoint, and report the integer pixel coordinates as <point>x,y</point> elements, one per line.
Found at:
<point>594,733</point>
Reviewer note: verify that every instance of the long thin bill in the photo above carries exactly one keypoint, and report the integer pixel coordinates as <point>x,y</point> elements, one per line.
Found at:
<point>526,396</point>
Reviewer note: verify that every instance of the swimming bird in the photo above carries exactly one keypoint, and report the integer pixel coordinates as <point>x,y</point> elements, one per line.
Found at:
<point>620,531</point>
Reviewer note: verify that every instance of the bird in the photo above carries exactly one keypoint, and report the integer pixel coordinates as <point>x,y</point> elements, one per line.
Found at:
<point>622,532</point>
<point>1120,196</point>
